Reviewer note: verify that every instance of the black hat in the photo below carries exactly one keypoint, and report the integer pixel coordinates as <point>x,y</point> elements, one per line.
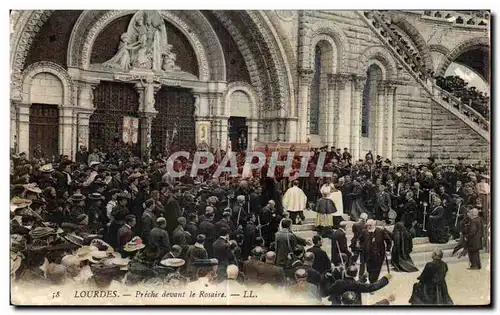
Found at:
<point>96,196</point>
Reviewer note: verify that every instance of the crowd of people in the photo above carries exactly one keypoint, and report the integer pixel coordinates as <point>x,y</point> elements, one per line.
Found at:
<point>112,217</point>
<point>469,95</point>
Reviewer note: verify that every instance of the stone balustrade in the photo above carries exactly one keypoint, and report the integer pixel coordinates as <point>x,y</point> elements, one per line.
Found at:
<point>459,18</point>
<point>382,25</point>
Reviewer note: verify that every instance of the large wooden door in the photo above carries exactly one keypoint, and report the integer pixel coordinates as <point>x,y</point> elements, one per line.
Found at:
<point>113,101</point>
<point>44,130</point>
<point>175,111</point>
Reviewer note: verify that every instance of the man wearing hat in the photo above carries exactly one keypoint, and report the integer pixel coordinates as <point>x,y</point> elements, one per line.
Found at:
<point>195,252</point>
<point>172,213</point>
<point>180,237</point>
<point>125,233</point>
<point>94,207</point>
<point>94,171</point>
<point>206,272</point>
<point>191,227</point>
<point>174,278</point>
<point>158,237</point>
<point>148,220</point>
<point>46,179</point>
<point>118,215</point>
<point>225,223</point>
<point>222,252</point>
<point>207,228</point>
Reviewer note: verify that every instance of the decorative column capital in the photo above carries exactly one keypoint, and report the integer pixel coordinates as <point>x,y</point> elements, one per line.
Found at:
<point>358,81</point>
<point>306,75</point>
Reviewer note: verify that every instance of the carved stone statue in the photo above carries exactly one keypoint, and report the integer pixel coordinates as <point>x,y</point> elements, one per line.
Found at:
<point>144,45</point>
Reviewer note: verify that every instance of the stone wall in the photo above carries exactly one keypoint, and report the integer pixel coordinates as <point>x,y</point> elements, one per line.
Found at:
<point>46,88</point>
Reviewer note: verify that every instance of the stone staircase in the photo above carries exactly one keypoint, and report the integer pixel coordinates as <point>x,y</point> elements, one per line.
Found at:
<point>422,248</point>
<point>411,61</point>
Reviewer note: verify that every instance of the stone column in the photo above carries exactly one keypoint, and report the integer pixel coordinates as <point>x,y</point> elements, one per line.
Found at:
<point>147,112</point>
<point>85,109</point>
<point>13,127</point>
<point>343,117</point>
<point>357,83</point>
<point>23,133</point>
<point>305,79</point>
<point>253,133</point>
<point>332,111</point>
<point>390,88</point>
<point>67,129</point>
<point>381,123</point>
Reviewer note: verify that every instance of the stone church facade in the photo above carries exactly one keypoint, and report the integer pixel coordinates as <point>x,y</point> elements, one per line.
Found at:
<point>336,78</point>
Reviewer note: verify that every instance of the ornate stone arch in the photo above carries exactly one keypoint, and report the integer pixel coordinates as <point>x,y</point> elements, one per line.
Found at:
<point>421,44</point>
<point>26,27</point>
<point>439,48</point>
<point>191,23</point>
<point>257,41</point>
<point>48,67</point>
<point>463,47</point>
<point>247,89</point>
<point>338,41</point>
<point>379,55</point>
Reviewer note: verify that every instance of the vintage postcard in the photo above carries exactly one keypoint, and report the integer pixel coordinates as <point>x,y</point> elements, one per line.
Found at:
<point>250,157</point>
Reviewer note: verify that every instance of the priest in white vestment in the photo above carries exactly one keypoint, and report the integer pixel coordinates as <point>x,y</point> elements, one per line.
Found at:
<point>295,201</point>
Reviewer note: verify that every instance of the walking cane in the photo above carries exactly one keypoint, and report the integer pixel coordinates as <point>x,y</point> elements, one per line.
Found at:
<point>425,214</point>
<point>458,213</point>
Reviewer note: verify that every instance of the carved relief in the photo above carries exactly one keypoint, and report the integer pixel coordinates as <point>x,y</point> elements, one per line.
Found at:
<point>285,15</point>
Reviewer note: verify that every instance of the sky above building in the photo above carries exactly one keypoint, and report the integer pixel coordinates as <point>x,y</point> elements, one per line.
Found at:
<point>469,76</point>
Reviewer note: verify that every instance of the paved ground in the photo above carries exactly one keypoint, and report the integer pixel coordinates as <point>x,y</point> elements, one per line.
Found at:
<point>466,287</point>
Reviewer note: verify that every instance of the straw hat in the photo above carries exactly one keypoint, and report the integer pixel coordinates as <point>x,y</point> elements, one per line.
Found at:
<point>19,203</point>
<point>118,261</point>
<point>33,187</point>
<point>89,253</point>
<point>70,260</point>
<point>96,196</point>
<point>173,262</point>
<point>47,168</point>
<point>43,232</point>
<point>102,245</point>
<point>134,245</point>
<point>74,239</point>
<point>92,164</point>
<point>77,197</point>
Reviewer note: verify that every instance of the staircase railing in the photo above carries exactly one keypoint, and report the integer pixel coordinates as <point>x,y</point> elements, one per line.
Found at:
<point>407,58</point>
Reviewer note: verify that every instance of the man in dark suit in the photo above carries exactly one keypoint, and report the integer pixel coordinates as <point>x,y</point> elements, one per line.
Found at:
<point>376,242</point>
<point>207,228</point>
<point>358,229</point>
<point>225,223</point>
<point>125,232</point>
<point>158,238</point>
<point>313,276</point>
<point>339,245</point>
<point>286,241</point>
<point>222,252</point>
<point>321,262</point>
<point>474,238</point>
<point>195,252</point>
<point>191,227</point>
<point>350,284</point>
<point>180,237</point>
<point>382,203</point>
